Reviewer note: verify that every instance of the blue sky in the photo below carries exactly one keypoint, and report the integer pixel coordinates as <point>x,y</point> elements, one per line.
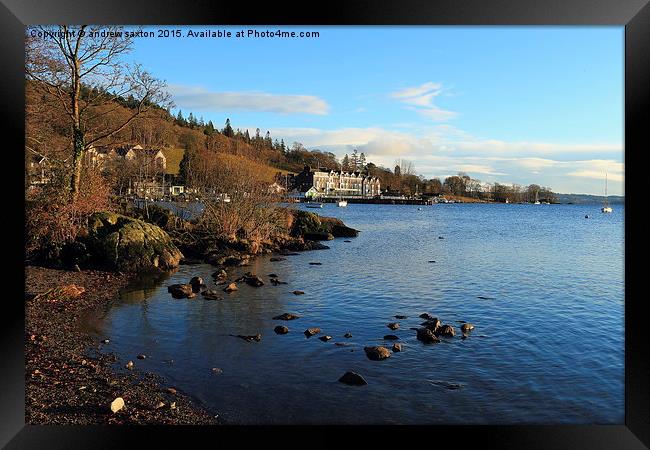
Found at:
<point>508,104</point>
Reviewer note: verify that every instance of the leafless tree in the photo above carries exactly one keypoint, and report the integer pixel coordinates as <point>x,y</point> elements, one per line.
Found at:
<point>82,67</point>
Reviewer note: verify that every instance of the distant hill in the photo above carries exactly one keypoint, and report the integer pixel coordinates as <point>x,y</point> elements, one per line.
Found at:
<point>586,199</point>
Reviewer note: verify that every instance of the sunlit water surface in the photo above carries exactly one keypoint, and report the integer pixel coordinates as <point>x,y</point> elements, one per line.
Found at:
<point>548,345</point>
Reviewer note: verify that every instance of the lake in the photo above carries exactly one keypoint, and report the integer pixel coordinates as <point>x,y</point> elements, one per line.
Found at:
<point>543,285</point>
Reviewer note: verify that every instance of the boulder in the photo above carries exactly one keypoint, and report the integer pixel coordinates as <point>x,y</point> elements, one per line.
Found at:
<point>347,335</point>
<point>426,335</point>
<point>325,338</point>
<point>344,231</point>
<point>400,317</point>
<point>397,347</point>
<point>219,274</point>
<point>126,244</point>
<point>276,282</point>
<point>391,337</point>
<point>180,290</point>
<point>393,325</point>
<point>281,329</point>
<point>426,316</point>
<point>353,379</point>
<point>309,332</point>
<point>433,324</point>
<point>298,292</point>
<point>377,353</point>
<point>286,316</point>
<point>250,338</point>
<point>196,283</point>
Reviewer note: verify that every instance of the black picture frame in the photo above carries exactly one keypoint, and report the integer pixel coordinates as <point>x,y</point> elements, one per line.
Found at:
<point>633,14</point>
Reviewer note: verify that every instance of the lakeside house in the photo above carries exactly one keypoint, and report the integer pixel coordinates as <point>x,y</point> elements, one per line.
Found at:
<point>331,183</point>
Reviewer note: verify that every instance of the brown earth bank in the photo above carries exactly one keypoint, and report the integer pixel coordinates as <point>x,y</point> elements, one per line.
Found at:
<point>67,379</point>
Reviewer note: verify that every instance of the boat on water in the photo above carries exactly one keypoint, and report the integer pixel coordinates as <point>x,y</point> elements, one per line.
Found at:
<point>606,208</point>
<point>537,199</point>
<point>342,203</point>
<point>314,205</point>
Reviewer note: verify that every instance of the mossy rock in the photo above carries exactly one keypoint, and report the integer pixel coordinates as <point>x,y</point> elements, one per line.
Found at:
<point>128,244</point>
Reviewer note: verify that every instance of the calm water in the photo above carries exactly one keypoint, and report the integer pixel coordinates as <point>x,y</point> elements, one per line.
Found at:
<point>548,345</point>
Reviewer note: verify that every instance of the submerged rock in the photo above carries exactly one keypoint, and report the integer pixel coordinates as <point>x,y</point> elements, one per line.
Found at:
<point>466,327</point>
<point>250,338</point>
<point>353,379</point>
<point>220,274</point>
<point>286,316</point>
<point>276,282</point>
<point>281,329</point>
<point>397,347</point>
<point>393,325</point>
<point>253,280</point>
<point>315,264</point>
<point>298,292</point>
<point>180,290</point>
<point>377,353</point>
<point>272,275</point>
<point>426,316</point>
<point>347,335</point>
<point>426,335</point>
<point>325,338</point>
<point>391,337</point>
<point>196,283</point>
<point>309,332</point>
<point>211,295</point>
<point>276,259</point>
<point>432,324</point>
<point>400,317</point>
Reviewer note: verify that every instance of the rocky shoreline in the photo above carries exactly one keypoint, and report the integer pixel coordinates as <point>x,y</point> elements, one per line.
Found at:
<point>69,377</point>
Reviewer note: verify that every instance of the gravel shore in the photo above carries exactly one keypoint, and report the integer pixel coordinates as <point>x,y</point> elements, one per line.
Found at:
<point>68,380</point>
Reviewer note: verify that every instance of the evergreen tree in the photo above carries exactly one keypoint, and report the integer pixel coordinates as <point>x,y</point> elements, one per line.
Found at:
<point>354,161</point>
<point>227,131</point>
<point>345,163</point>
<point>283,147</point>
<point>247,137</point>
<point>192,120</point>
<point>267,140</point>
<point>180,119</point>
<point>362,162</point>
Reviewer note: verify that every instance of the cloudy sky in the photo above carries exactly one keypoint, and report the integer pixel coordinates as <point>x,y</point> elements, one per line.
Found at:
<point>509,104</point>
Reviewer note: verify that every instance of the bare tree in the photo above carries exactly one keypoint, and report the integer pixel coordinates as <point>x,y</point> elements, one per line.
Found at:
<point>81,67</point>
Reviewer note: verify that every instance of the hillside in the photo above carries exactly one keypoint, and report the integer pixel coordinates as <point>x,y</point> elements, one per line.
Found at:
<point>587,199</point>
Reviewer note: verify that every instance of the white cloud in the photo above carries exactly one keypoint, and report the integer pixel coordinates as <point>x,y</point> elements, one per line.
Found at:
<point>420,99</point>
<point>199,98</point>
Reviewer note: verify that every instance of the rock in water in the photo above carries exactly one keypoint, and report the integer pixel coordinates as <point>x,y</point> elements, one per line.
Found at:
<point>397,347</point>
<point>391,337</point>
<point>286,316</point>
<point>196,283</point>
<point>128,244</point>
<point>298,292</point>
<point>250,338</point>
<point>400,317</point>
<point>220,274</point>
<point>347,335</point>
<point>377,353</point>
<point>315,264</point>
<point>393,325</point>
<point>276,259</point>
<point>117,404</point>
<point>180,290</point>
<point>353,379</point>
<point>466,327</point>
<point>211,295</point>
<point>426,335</point>
<point>253,280</point>
<point>432,324</point>
<point>325,338</point>
<point>426,316</point>
<point>129,365</point>
<point>281,329</point>
<point>142,356</point>
<point>309,332</point>
<point>217,371</point>
<point>231,288</point>
<point>446,330</point>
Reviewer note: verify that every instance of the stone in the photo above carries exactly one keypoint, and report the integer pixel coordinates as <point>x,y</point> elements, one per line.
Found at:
<point>397,347</point>
<point>347,241</point>
<point>315,264</point>
<point>196,283</point>
<point>180,290</point>
<point>117,404</point>
<point>250,338</point>
<point>171,390</point>
<point>105,341</point>
<point>277,258</point>
<point>347,335</point>
<point>440,237</point>
<point>276,282</point>
<point>231,288</point>
<point>129,365</point>
<point>426,316</point>
<point>233,261</point>
<point>272,275</point>
<point>400,317</point>
<point>142,356</point>
<point>391,337</point>
<point>220,274</point>
<point>432,261</point>
<point>298,292</point>
<point>433,324</point>
<point>309,332</point>
<point>127,244</point>
<point>217,371</point>
<point>353,379</point>
<point>281,329</point>
<point>466,327</point>
<point>446,330</point>
<point>427,336</point>
<point>287,316</point>
<point>211,294</point>
<point>393,325</point>
<point>377,353</point>
<point>325,338</point>
<point>253,280</point>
